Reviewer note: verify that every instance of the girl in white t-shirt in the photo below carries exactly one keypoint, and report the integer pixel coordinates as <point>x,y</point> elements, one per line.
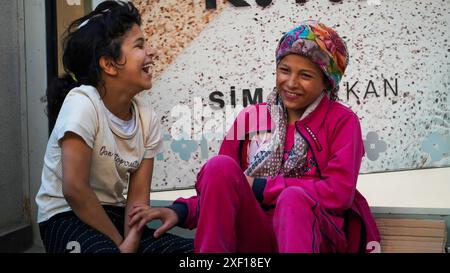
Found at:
<point>104,139</point>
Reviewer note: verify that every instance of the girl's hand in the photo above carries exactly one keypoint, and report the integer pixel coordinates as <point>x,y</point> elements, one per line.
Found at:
<point>131,243</point>
<point>142,214</point>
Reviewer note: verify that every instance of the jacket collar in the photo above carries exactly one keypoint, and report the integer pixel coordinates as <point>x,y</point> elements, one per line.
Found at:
<point>317,117</point>
<point>310,125</point>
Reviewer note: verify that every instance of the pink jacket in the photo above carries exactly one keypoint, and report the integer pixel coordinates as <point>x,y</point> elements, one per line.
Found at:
<point>333,134</point>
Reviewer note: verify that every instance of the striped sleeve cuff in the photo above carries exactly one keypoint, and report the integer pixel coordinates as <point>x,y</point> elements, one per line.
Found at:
<point>181,210</point>
<point>259,184</point>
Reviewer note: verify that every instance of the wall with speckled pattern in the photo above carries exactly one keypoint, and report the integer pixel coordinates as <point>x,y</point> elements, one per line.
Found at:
<point>397,81</point>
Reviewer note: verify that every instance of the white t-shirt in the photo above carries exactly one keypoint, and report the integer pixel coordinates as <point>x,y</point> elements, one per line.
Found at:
<point>125,126</point>
<point>114,154</point>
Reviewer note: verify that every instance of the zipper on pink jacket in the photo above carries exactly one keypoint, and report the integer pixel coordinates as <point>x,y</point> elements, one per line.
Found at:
<point>313,136</point>
<point>312,150</point>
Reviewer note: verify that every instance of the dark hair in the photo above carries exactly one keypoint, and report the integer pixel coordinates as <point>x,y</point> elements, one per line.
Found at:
<point>332,92</point>
<point>87,39</point>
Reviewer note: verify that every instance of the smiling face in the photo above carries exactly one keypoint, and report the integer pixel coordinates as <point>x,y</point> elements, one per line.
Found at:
<point>299,82</point>
<point>136,61</point>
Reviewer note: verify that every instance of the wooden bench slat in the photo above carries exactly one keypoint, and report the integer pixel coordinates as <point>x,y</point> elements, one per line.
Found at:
<point>419,223</point>
<point>412,235</point>
<point>411,238</point>
<point>417,244</point>
<point>425,232</point>
<point>402,249</point>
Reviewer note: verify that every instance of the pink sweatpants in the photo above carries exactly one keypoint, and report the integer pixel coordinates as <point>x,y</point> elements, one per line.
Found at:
<point>232,220</point>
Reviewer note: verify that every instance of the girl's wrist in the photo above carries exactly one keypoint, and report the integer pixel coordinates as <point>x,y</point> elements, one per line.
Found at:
<point>117,240</point>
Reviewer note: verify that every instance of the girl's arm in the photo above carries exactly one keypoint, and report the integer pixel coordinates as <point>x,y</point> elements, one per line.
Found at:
<point>138,194</point>
<point>76,164</point>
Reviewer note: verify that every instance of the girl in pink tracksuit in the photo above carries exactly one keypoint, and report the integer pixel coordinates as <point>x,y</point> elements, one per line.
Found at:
<point>285,177</point>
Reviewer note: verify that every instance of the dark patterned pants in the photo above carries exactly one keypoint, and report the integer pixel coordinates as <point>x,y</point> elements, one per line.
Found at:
<point>65,232</point>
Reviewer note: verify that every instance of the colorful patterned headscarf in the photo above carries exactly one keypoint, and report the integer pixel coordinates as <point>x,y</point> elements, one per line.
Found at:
<point>321,44</point>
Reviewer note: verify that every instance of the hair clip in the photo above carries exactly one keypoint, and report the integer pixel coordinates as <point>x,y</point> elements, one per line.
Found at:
<point>87,21</point>
<point>83,24</point>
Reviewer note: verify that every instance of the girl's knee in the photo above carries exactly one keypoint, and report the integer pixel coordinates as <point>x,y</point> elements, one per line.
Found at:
<point>219,166</point>
<point>222,163</point>
<point>295,196</point>
<point>219,172</point>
